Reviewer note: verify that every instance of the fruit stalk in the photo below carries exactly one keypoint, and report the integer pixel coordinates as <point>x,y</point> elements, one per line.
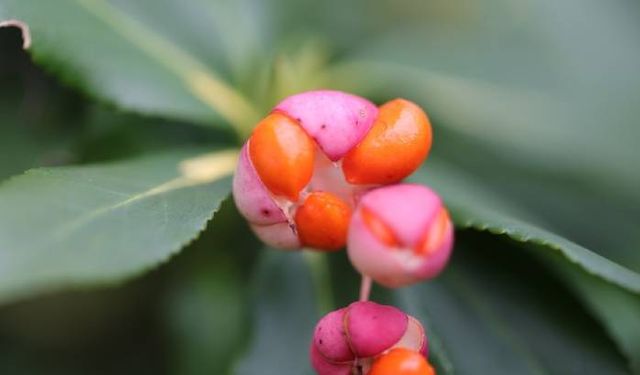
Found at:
<point>365,288</point>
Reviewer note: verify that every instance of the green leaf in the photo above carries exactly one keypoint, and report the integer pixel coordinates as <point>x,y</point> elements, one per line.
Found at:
<point>284,314</point>
<point>27,143</point>
<point>473,207</point>
<point>115,330</point>
<point>109,135</point>
<point>572,207</point>
<point>113,52</point>
<point>498,311</point>
<point>207,311</point>
<point>519,79</point>
<point>207,304</point>
<point>618,308</point>
<point>532,127</point>
<point>94,225</point>
<point>39,122</point>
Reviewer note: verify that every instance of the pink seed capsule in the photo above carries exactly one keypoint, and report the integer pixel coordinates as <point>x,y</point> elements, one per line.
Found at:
<point>337,121</point>
<point>304,167</point>
<point>357,334</point>
<point>400,234</point>
<point>288,183</point>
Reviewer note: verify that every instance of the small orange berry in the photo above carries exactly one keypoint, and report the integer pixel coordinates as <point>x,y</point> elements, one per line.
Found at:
<point>282,154</point>
<point>322,221</point>
<point>401,361</point>
<point>396,145</point>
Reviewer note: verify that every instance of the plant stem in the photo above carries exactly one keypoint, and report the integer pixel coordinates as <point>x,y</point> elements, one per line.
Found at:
<point>365,288</point>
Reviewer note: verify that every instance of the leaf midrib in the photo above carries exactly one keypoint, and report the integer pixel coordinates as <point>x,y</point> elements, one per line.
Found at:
<point>223,165</point>
<point>201,81</point>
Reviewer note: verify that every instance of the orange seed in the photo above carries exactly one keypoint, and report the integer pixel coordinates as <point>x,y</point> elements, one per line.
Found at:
<point>282,154</point>
<point>322,221</point>
<point>396,145</point>
<point>378,228</point>
<point>435,234</point>
<point>401,361</point>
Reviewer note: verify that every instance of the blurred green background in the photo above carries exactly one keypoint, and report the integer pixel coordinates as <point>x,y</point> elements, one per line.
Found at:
<point>534,106</point>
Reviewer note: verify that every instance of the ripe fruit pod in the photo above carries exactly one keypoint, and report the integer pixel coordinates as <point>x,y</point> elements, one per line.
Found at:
<point>400,235</point>
<point>305,165</point>
<point>360,332</point>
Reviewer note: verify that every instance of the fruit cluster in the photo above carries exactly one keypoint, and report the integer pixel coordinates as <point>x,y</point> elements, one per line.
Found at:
<point>371,339</point>
<point>323,171</point>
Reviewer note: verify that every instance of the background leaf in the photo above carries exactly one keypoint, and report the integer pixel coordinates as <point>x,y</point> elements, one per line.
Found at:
<point>128,62</point>
<point>618,309</point>
<point>523,80</point>
<point>77,226</point>
<point>109,135</point>
<point>284,314</point>
<point>39,121</point>
<point>497,311</point>
<point>533,104</point>
<point>473,207</point>
<point>207,306</point>
<point>114,329</point>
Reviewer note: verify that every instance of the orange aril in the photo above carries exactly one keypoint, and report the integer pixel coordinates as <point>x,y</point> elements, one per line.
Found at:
<point>401,361</point>
<point>378,228</point>
<point>322,221</point>
<point>282,154</point>
<point>435,234</point>
<point>396,145</point>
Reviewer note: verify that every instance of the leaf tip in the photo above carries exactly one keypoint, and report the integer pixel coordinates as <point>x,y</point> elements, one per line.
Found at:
<point>24,29</point>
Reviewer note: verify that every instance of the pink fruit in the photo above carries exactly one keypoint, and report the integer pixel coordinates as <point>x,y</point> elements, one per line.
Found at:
<point>315,154</point>
<point>357,334</point>
<point>400,234</point>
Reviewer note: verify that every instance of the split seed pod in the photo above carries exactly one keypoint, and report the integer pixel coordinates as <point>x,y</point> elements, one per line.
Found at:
<point>400,235</point>
<point>359,333</point>
<point>306,164</point>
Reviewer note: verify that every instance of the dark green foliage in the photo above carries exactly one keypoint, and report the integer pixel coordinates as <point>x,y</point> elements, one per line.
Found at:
<point>110,261</point>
